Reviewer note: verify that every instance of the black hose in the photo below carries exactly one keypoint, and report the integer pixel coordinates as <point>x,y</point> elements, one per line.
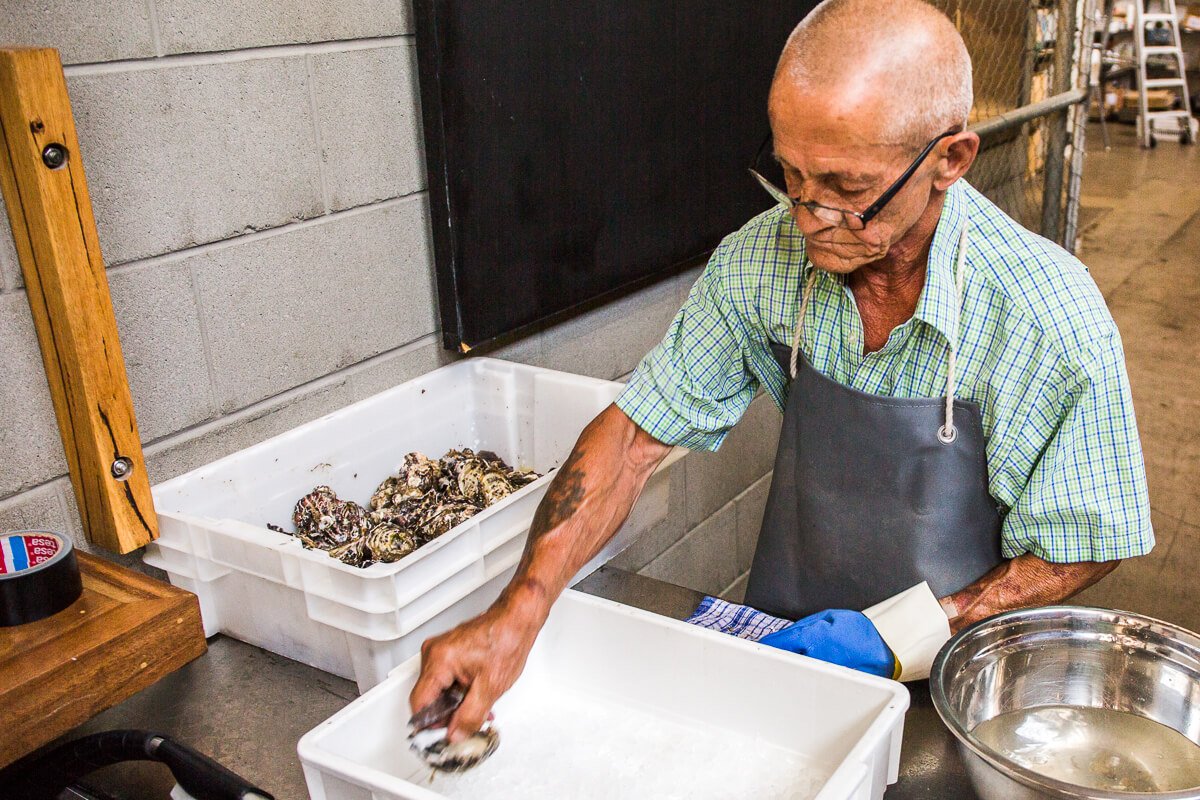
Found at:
<point>49,773</point>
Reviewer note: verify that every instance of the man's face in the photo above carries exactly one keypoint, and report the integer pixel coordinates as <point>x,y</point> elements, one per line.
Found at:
<point>834,151</point>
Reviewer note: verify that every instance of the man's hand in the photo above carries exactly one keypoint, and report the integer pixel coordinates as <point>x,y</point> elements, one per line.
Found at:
<point>838,636</point>
<point>485,654</point>
<point>584,506</point>
<point>896,638</point>
<point>1023,582</point>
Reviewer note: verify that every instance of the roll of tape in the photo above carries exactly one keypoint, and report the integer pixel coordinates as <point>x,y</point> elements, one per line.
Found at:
<point>39,576</point>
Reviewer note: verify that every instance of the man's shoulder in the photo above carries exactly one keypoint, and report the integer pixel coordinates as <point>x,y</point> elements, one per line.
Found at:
<point>1035,282</point>
<point>765,246</point>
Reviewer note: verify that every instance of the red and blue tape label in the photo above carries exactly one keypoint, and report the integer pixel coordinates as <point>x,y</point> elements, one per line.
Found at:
<point>22,551</point>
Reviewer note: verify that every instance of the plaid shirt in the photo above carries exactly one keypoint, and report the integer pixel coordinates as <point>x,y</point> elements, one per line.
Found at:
<point>1038,352</point>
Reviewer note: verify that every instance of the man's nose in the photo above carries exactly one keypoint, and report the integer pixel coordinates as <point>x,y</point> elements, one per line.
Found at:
<point>808,223</point>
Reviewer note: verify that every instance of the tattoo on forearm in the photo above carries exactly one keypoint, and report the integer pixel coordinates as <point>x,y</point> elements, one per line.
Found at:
<point>563,497</point>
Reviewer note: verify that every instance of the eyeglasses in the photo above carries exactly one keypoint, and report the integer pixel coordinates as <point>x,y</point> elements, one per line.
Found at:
<point>843,217</point>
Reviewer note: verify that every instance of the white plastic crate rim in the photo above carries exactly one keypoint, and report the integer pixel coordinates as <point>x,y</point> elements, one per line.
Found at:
<point>530,417</point>
<point>265,588</point>
<point>844,726</point>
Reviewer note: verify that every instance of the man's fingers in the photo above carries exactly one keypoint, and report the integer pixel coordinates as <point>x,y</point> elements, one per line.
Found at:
<point>471,714</point>
<point>434,679</point>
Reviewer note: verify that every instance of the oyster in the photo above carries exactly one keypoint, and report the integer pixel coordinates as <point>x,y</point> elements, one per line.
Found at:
<point>323,520</point>
<point>444,517</point>
<point>494,486</point>
<point>354,553</point>
<point>522,477</point>
<point>435,750</point>
<point>470,479</point>
<point>393,492</point>
<point>420,473</point>
<point>429,729</point>
<point>387,542</point>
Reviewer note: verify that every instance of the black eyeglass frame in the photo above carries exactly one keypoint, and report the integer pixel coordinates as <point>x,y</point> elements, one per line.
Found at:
<point>864,217</point>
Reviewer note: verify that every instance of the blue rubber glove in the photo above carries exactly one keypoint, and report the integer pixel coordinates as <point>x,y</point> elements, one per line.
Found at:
<point>840,637</point>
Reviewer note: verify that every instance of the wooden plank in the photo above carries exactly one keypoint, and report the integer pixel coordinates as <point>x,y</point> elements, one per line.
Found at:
<point>59,250</point>
<point>124,633</point>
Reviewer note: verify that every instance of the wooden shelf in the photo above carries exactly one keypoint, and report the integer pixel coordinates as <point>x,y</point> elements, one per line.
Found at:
<point>124,633</point>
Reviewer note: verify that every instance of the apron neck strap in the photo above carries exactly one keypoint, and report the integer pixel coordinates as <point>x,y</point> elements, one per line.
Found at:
<point>798,336</point>
<point>947,433</point>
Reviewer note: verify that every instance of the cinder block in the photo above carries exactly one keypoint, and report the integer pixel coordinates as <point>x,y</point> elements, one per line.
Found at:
<point>370,124</point>
<point>736,591</point>
<point>747,454</point>
<point>163,348</point>
<point>611,340</point>
<point>705,559</point>
<point>98,30</point>
<point>286,309</point>
<point>393,369</point>
<point>29,442</point>
<point>10,267</point>
<point>750,507</point>
<point>70,503</point>
<point>184,155</point>
<point>179,454</point>
<point>40,508</point>
<point>654,541</point>
<point>191,26</point>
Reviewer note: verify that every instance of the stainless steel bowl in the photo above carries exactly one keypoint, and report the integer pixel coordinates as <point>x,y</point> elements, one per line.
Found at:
<point>1064,655</point>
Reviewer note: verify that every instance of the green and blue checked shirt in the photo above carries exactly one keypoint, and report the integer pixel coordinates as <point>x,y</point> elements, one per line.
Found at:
<point>1038,352</point>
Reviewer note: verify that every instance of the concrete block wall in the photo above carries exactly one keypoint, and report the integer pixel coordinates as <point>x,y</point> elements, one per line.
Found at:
<point>257,174</point>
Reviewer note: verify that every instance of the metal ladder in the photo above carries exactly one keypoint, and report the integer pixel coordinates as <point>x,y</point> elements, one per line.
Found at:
<point>1164,15</point>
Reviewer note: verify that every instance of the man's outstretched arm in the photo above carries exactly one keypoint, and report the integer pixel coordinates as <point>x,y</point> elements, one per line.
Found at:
<point>585,505</point>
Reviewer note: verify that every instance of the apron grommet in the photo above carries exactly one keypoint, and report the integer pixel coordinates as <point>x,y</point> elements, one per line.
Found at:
<point>947,437</point>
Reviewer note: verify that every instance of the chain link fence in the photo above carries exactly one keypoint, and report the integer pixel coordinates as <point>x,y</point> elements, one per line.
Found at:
<point>1029,59</point>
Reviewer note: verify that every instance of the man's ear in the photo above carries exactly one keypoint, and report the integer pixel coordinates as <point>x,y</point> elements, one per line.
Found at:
<point>958,153</point>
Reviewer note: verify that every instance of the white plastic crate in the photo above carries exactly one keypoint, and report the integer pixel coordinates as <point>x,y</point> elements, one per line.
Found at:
<point>263,587</point>
<point>842,724</point>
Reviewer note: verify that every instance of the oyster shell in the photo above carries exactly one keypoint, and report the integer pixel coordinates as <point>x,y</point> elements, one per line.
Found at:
<point>387,542</point>
<point>494,486</point>
<point>324,520</point>
<point>432,747</point>
<point>444,517</point>
<point>428,735</point>
<point>354,553</point>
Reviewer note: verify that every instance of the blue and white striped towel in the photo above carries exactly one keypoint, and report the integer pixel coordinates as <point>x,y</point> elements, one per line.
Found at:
<point>743,622</point>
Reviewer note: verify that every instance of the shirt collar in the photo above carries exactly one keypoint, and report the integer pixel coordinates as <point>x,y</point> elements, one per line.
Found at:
<point>939,301</point>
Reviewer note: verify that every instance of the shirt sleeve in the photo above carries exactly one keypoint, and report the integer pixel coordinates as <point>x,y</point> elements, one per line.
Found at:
<point>694,386</point>
<point>1086,498</point>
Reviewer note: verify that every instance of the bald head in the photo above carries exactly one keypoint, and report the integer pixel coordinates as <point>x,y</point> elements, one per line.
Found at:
<point>901,64</point>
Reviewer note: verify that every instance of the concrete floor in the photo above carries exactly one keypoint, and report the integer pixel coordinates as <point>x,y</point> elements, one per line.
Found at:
<point>1141,239</point>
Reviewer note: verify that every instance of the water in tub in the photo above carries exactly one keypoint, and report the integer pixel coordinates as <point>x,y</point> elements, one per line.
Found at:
<point>557,743</point>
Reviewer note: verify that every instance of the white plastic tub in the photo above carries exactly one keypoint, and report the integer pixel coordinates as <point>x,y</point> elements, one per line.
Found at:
<point>264,588</point>
<point>844,726</point>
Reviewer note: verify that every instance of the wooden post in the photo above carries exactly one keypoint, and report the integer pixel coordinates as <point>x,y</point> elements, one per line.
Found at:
<point>41,174</point>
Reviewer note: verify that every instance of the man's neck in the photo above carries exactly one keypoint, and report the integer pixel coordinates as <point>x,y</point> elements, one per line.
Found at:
<point>887,291</point>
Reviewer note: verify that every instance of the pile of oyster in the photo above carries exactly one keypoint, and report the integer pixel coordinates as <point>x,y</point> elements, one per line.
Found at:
<point>423,500</point>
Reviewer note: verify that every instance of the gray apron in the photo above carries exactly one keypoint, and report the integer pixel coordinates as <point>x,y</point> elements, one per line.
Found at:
<point>871,494</point>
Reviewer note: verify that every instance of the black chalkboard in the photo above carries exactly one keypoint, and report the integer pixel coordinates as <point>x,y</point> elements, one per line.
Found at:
<point>578,149</point>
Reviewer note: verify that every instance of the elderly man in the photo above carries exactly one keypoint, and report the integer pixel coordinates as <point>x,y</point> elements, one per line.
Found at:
<point>958,435</point>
